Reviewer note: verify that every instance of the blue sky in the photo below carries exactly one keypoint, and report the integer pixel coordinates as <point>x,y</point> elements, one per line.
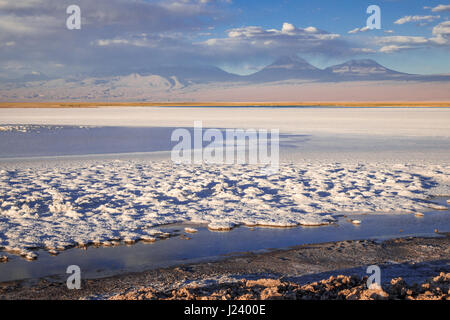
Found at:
<point>341,16</point>
<point>242,36</point>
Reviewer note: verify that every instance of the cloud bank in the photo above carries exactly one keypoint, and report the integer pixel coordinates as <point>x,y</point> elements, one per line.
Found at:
<point>119,37</point>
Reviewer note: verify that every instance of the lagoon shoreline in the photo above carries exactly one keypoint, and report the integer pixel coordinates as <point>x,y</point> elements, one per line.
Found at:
<point>415,259</point>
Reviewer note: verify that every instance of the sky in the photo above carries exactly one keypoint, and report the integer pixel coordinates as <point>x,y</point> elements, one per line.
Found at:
<point>119,37</point>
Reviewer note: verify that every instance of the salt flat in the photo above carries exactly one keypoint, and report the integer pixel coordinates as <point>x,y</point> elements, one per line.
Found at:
<point>429,122</point>
<point>54,207</point>
<point>58,203</point>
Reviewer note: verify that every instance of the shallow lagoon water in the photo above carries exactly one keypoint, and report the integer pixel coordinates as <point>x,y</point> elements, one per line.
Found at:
<point>97,262</point>
<point>48,141</point>
<point>50,144</point>
<point>113,141</point>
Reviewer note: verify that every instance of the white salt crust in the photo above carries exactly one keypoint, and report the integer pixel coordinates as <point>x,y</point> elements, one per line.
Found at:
<point>102,202</point>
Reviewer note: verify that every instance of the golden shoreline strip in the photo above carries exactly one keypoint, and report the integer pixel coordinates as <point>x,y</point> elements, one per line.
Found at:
<point>444,104</point>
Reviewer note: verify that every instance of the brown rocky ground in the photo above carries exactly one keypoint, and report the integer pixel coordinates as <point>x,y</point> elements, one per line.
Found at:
<point>335,288</point>
<point>297,272</point>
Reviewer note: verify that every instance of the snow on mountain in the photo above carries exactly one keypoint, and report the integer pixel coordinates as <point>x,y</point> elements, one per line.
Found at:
<point>159,83</point>
<point>364,68</point>
<point>286,68</point>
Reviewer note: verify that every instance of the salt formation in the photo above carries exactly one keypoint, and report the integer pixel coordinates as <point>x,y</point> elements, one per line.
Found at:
<point>29,128</point>
<point>190,230</point>
<point>103,202</point>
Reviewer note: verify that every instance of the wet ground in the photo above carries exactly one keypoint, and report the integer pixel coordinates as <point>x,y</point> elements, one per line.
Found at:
<point>183,247</point>
<point>49,143</point>
<point>413,259</point>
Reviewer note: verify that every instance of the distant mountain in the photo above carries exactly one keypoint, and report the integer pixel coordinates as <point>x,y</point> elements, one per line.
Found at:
<point>295,68</point>
<point>195,74</point>
<point>286,68</point>
<point>34,76</point>
<point>137,81</point>
<point>370,70</point>
<point>364,69</point>
<point>165,82</point>
<point>29,77</point>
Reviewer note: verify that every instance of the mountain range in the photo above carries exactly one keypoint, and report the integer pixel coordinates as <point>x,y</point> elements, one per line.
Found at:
<point>284,68</point>
<point>295,68</point>
<point>174,82</point>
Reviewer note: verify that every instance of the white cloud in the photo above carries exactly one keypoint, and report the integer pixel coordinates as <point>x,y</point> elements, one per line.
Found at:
<point>356,30</point>
<point>393,48</point>
<point>442,29</point>
<point>441,33</point>
<point>311,29</point>
<point>441,8</point>
<point>22,4</point>
<point>441,37</point>
<point>39,18</point>
<point>109,42</point>
<point>403,40</point>
<point>274,42</point>
<point>247,32</point>
<point>397,43</point>
<point>363,50</point>
<point>8,44</point>
<point>287,28</point>
<point>11,26</point>
<point>38,29</point>
<point>142,40</point>
<point>407,19</point>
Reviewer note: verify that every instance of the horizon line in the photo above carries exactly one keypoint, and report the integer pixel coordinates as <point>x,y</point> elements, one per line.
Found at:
<point>103,104</point>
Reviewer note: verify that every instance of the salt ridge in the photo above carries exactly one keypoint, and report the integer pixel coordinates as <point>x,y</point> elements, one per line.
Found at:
<point>56,207</point>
